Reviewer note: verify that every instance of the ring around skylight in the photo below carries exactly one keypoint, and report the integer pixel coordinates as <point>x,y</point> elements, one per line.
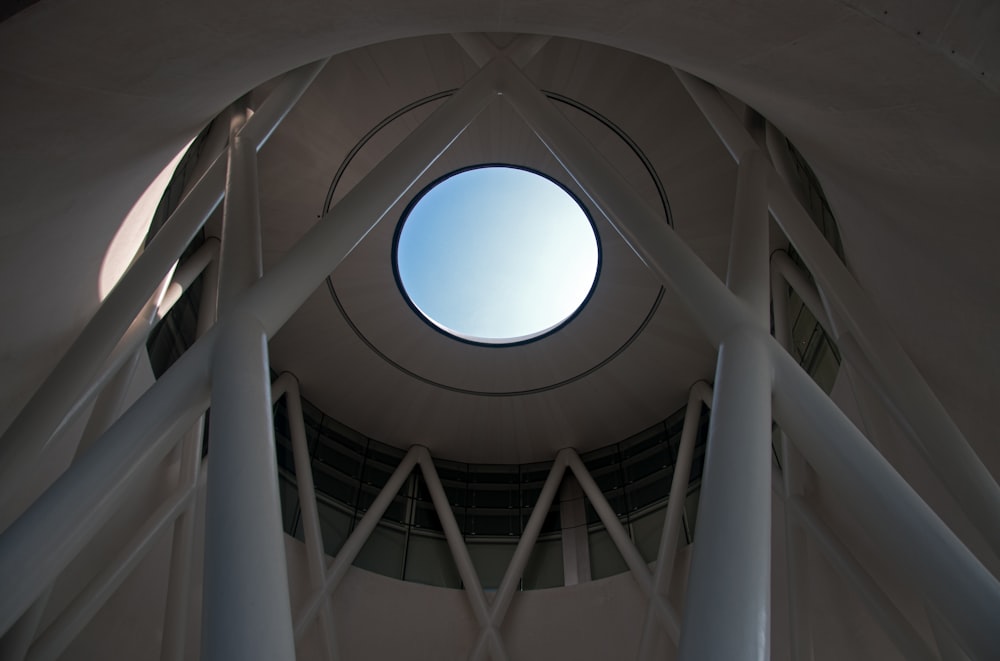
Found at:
<point>496,255</point>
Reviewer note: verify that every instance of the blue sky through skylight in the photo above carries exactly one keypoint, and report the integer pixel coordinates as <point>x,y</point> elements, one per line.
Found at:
<point>497,254</point>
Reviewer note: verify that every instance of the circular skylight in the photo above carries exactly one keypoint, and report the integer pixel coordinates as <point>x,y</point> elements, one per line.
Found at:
<point>496,255</point>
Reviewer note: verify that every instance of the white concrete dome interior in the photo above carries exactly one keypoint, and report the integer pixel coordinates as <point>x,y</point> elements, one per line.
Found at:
<point>892,107</point>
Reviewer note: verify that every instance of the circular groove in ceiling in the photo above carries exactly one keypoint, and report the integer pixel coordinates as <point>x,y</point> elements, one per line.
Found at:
<point>488,393</point>
<point>559,98</point>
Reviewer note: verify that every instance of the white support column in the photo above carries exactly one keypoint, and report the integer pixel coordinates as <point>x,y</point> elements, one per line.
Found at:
<point>728,601</point>
<point>945,447</point>
<point>795,474</point>
<point>288,385</point>
<point>72,620</point>
<point>460,553</point>
<point>108,406</point>
<point>666,555</point>
<point>203,261</point>
<point>923,550</point>
<point>575,541</point>
<point>246,606</point>
<point>52,405</point>
<point>286,287</point>
<point>783,266</point>
<point>630,554</point>
<point>714,308</point>
<point>74,508</point>
<point>508,585</point>
<point>175,617</point>
<point>113,384</point>
<point>67,515</point>
<point>727,608</point>
<point>356,540</point>
<point>240,257</point>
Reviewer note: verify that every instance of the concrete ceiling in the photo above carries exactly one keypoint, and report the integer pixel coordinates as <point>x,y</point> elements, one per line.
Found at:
<point>894,107</point>
<point>363,355</point>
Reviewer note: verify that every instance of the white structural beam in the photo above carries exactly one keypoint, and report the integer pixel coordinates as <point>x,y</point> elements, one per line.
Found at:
<point>66,516</point>
<point>356,541</point>
<point>286,287</point>
<point>14,645</point>
<point>923,550</point>
<point>714,307</point>
<point>946,448</point>
<point>481,610</point>
<point>794,473</point>
<point>287,386</point>
<point>666,555</point>
<point>573,529</point>
<point>460,553</point>
<point>727,612</point>
<point>83,498</point>
<point>175,616</point>
<point>246,606</point>
<point>515,569</point>
<point>73,509</point>
<point>727,604</point>
<point>71,621</point>
<point>240,256</point>
<point>246,611</point>
<point>630,554</point>
<point>783,267</point>
<point>717,311</point>
<point>53,404</point>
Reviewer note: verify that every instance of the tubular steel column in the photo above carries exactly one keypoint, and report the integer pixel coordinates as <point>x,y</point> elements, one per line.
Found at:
<point>515,569</point>
<point>246,606</point>
<point>727,611</point>
<point>794,472</point>
<point>311,531</point>
<point>175,618</point>
<point>460,554</point>
<point>923,550</point>
<point>356,540</point>
<point>848,461</point>
<point>940,440</point>
<point>573,521</point>
<point>630,554</point>
<point>700,394</point>
<point>53,404</point>
<point>240,256</point>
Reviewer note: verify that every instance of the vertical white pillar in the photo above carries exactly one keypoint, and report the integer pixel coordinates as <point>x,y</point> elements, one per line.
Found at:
<point>175,618</point>
<point>794,471</point>
<point>312,533</point>
<point>240,256</point>
<point>246,606</point>
<point>924,551</point>
<point>573,520</point>
<point>670,537</point>
<point>727,614</point>
<point>460,554</point>
<point>55,401</point>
